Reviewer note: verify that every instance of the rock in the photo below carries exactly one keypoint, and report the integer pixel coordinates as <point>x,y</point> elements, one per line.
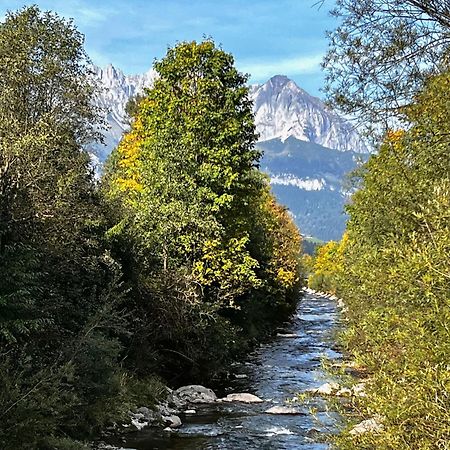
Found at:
<point>190,411</point>
<point>165,410</point>
<point>242,398</point>
<point>344,392</point>
<point>283,410</point>
<point>139,424</point>
<point>240,376</point>
<point>172,421</point>
<point>327,389</point>
<point>193,394</point>
<point>144,411</point>
<point>168,430</point>
<point>367,426</point>
<point>359,390</point>
<point>340,303</point>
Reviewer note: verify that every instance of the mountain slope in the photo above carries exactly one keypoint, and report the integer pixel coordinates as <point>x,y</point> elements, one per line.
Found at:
<point>282,109</point>
<point>310,179</point>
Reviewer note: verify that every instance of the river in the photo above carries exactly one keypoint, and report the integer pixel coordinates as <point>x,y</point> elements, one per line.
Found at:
<point>276,372</point>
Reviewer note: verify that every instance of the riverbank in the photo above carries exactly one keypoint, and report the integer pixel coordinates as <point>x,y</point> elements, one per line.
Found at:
<point>276,372</point>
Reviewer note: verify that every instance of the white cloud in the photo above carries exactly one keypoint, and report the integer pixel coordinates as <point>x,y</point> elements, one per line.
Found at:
<point>299,65</point>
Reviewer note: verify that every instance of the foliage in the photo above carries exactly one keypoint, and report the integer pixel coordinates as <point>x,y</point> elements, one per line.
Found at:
<point>207,239</point>
<point>59,286</point>
<point>395,280</point>
<point>161,271</point>
<point>327,265</point>
<point>381,54</point>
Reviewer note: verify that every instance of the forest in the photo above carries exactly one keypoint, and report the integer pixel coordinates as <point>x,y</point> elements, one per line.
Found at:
<point>171,264</point>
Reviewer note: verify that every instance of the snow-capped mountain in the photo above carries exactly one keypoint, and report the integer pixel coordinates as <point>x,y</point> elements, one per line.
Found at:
<point>307,148</point>
<point>283,110</point>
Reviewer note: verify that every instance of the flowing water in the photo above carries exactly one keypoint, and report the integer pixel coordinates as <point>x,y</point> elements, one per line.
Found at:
<point>275,372</point>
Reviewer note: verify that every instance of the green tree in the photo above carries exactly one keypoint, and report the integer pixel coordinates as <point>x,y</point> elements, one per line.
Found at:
<point>190,158</point>
<point>58,283</point>
<point>396,280</point>
<point>197,210</point>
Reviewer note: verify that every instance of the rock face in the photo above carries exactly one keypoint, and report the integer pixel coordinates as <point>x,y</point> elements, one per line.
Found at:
<point>283,110</point>
<point>116,89</point>
<point>242,398</point>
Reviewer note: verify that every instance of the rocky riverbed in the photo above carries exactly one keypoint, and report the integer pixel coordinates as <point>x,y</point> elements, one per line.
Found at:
<point>259,408</point>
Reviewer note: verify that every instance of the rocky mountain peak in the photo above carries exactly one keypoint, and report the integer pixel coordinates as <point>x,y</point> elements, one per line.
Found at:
<point>283,109</point>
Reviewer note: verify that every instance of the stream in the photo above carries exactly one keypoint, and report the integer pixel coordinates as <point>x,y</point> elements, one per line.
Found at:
<point>275,372</point>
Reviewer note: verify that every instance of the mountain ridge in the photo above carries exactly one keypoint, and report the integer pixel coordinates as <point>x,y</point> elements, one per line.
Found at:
<point>282,109</point>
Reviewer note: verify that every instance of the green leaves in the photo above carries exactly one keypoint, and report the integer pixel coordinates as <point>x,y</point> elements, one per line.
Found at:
<point>195,212</point>
<point>58,283</point>
<point>396,281</point>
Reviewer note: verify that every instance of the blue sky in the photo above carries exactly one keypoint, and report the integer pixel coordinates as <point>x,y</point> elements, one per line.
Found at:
<point>267,37</point>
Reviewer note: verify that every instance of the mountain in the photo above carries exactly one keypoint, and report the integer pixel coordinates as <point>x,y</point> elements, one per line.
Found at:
<point>282,109</point>
<point>307,148</point>
<point>116,89</point>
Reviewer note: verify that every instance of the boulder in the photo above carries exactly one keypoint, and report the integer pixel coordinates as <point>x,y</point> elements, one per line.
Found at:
<point>326,389</point>
<point>283,410</point>
<point>367,426</point>
<point>193,394</point>
<point>163,409</point>
<point>172,421</point>
<point>144,411</point>
<point>242,398</point>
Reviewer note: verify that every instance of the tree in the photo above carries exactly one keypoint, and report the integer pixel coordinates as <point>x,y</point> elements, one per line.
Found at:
<point>382,53</point>
<point>207,241</point>
<point>58,283</point>
<point>188,164</point>
<point>395,278</point>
